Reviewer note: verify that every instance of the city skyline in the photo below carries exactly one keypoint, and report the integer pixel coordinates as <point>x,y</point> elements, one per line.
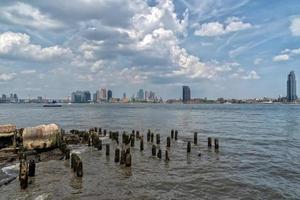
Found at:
<point>217,48</point>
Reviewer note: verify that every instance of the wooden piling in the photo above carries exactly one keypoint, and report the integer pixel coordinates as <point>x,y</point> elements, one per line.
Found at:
<point>167,155</point>
<point>104,132</point>
<point>216,143</point>
<point>142,143</point>
<point>79,169</point>
<point>209,142</point>
<point>67,153</point>
<point>168,142</point>
<point>99,147</point>
<point>153,150</point>
<point>137,134</point>
<point>157,139</point>
<point>176,135</point>
<point>172,133</point>
<point>128,160</point>
<point>195,138</point>
<point>148,135</point>
<point>152,137</point>
<point>23,176</point>
<point>117,155</point>
<point>132,136</point>
<point>107,149</point>
<point>31,168</point>
<point>189,147</point>
<point>159,153</point>
<point>123,157</point>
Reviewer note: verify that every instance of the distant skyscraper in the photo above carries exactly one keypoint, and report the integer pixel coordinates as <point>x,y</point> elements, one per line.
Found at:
<point>291,87</point>
<point>81,97</point>
<point>124,95</point>
<point>103,94</point>
<point>140,94</point>
<point>109,95</point>
<point>186,94</point>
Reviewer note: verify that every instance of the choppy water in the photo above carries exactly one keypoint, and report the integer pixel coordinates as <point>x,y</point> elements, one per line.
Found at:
<point>259,156</point>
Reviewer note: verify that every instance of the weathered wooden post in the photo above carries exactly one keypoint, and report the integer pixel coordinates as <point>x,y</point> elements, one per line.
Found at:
<point>168,142</point>
<point>195,138</point>
<point>153,150</point>
<point>132,140</point>
<point>189,147</point>
<point>216,143</point>
<point>209,142</point>
<point>142,143</point>
<point>110,134</point>
<point>123,157</point>
<point>107,149</point>
<point>176,135</point>
<point>79,168</point>
<point>23,176</point>
<point>67,153</point>
<point>157,139</point>
<point>99,131</point>
<point>172,134</point>
<point>159,153</point>
<point>137,134</point>
<point>104,132</point>
<point>152,137</point>
<point>128,160</point>
<point>117,155</point>
<point>90,141</point>
<point>167,155</point>
<point>99,147</point>
<point>148,135</point>
<point>31,170</point>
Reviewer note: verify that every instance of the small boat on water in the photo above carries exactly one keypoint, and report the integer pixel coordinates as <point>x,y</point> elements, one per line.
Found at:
<point>51,105</point>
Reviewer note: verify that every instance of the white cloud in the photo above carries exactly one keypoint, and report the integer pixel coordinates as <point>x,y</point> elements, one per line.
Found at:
<point>286,55</point>
<point>19,45</point>
<point>257,61</point>
<point>295,27</point>
<point>29,71</point>
<point>23,14</point>
<point>232,24</point>
<point>7,76</point>
<point>250,75</point>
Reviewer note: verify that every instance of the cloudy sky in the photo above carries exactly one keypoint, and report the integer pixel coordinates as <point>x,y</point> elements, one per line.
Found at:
<point>219,48</point>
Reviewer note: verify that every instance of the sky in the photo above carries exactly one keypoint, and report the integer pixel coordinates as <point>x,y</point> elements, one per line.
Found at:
<point>220,48</point>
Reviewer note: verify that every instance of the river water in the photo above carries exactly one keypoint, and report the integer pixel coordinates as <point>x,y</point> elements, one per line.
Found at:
<point>259,155</point>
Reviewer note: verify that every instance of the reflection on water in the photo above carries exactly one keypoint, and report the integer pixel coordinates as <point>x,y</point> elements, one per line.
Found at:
<point>258,156</point>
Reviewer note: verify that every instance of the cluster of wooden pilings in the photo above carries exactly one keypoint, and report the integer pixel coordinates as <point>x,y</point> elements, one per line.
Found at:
<point>27,169</point>
<point>122,151</point>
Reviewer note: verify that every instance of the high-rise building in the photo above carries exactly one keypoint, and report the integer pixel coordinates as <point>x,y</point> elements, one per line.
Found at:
<point>109,95</point>
<point>186,94</point>
<point>86,96</point>
<point>124,95</point>
<point>103,93</point>
<point>291,87</point>
<point>140,94</point>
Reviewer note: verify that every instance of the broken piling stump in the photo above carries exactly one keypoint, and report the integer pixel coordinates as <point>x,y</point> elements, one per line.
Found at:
<point>128,160</point>
<point>172,133</point>
<point>142,143</point>
<point>209,142</point>
<point>79,169</point>
<point>117,155</point>
<point>167,155</point>
<point>157,139</point>
<point>31,168</point>
<point>153,150</point>
<point>216,143</point>
<point>23,174</point>
<point>168,142</point>
<point>195,138</point>
<point>107,149</point>
<point>152,137</point>
<point>148,135</point>
<point>189,147</point>
<point>176,135</point>
<point>123,157</point>
<point>159,153</point>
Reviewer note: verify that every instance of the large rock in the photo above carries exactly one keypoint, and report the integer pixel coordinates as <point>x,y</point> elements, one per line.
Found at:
<point>7,130</point>
<point>41,137</point>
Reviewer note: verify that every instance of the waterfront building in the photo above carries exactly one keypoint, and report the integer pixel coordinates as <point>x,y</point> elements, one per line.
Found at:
<point>186,94</point>
<point>109,95</point>
<point>81,97</point>
<point>291,87</point>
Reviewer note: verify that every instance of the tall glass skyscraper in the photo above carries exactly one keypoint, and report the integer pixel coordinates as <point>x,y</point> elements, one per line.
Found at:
<point>291,87</point>
<point>186,94</point>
